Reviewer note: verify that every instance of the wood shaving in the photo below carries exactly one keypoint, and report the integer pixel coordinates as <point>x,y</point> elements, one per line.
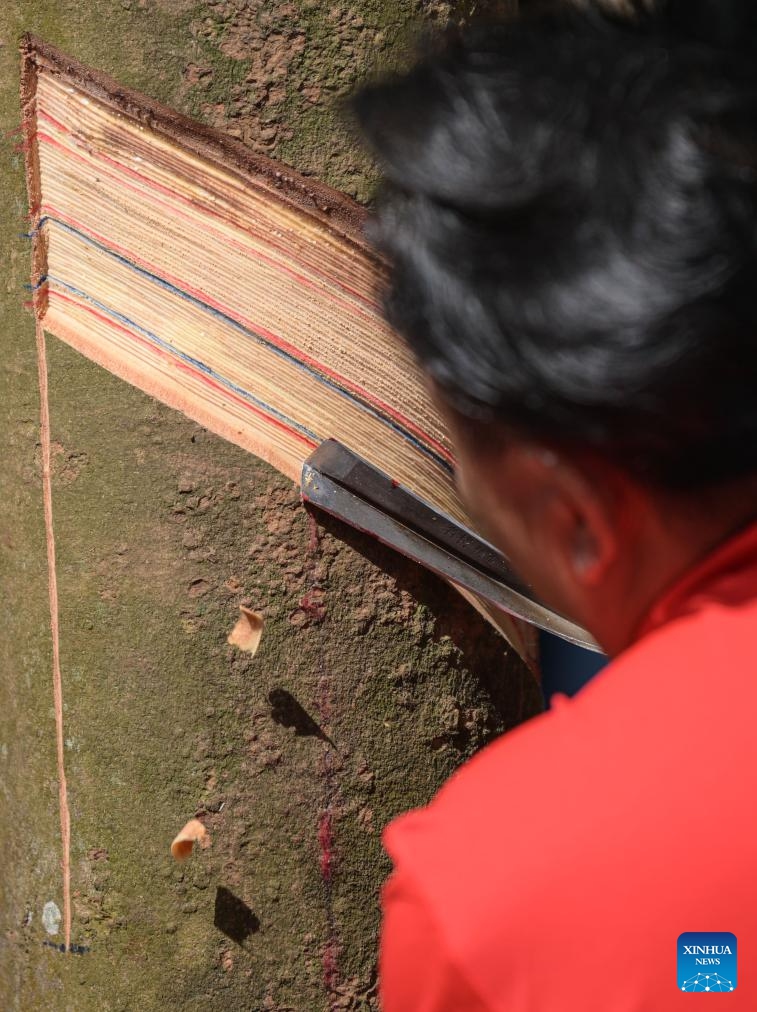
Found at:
<point>183,844</point>
<point>248,631</point>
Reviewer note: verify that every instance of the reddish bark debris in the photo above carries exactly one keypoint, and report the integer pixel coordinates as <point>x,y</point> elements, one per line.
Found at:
<point>312,604</point>
<point>326,844</point>
<point>330,968</point>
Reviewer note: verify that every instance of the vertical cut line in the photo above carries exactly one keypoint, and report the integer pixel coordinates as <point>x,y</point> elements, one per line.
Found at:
<point>29,80</point>
<point>47,496</point>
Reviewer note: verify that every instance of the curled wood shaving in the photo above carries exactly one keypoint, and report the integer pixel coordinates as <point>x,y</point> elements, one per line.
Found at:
<point>184,842</point>
<point>248,631</point>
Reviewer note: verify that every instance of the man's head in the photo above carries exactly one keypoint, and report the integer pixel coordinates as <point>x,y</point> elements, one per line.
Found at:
<point>570,215</point>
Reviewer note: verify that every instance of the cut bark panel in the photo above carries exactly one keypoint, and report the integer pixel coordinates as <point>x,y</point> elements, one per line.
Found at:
<point>222,283</point>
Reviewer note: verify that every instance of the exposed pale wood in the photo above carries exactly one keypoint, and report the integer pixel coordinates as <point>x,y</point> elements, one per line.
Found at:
<point>229,288</point>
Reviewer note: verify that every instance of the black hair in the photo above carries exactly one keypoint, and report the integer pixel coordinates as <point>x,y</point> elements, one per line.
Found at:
<point>570,217</point>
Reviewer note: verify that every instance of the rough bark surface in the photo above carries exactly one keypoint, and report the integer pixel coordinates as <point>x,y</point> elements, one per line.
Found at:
<point>373,681</point>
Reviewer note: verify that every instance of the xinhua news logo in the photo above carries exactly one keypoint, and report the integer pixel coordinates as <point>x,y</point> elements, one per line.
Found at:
<point>707,961</point>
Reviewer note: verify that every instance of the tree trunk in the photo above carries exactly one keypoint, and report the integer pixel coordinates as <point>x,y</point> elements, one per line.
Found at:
<point>373,681</point>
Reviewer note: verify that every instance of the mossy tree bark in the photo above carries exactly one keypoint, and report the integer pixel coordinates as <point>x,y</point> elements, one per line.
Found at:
<point>373,681</point>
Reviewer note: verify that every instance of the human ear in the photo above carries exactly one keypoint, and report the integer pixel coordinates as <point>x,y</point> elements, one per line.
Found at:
<point>576,517</point>
<point>591,535</point>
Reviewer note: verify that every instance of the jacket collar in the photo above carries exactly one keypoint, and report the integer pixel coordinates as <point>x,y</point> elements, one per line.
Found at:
<point>727,575</point>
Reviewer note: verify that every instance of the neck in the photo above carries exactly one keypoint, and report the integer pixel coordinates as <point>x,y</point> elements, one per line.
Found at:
<point>660,558</point>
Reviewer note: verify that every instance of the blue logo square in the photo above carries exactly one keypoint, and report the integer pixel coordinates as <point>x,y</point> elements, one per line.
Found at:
<point>707,961</point>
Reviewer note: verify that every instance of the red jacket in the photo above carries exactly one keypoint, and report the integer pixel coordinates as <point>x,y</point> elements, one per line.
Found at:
<point>555,870</point>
